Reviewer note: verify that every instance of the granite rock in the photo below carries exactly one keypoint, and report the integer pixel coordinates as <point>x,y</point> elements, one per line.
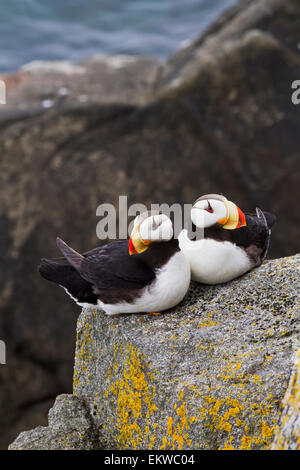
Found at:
<point>288,433</point>
<point>70,428</point>
<point>210,374</point>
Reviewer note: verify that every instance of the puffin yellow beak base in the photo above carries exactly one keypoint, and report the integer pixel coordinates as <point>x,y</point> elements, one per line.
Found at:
<point>235,217</point>
<point>136,243</point>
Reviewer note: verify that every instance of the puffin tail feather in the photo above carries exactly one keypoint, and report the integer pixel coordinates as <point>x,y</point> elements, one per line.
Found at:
<point>69,278</point>
<point>53,271</point>
<point>74,258</point>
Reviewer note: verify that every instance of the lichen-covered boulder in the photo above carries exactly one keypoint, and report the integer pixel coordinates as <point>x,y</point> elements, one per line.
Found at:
<point>70,427</point>
<point>288,434</point>
<point>210,374</point>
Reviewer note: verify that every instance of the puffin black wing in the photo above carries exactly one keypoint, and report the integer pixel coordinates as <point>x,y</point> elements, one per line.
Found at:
<point>109,268</point>
<point>67,276</point>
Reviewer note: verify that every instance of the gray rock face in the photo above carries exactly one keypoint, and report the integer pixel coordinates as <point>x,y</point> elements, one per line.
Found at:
<point>70,427</point>
<point>102,79</point>
<point>217,117</point>
<point>277,18</point>
<point>210,374</point>
<point>288,434</point>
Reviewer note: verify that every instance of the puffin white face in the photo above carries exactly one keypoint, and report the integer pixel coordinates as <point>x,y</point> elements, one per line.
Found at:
<point>156,228</point>
<point>213,209</point>
<point>208,212</point>
<point>151,226</point>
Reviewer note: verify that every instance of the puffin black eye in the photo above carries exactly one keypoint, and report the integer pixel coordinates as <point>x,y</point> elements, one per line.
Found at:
<point>156,224</point>
<point>209,208</point>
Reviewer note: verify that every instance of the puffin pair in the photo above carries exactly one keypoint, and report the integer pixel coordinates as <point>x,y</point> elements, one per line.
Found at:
<point>151,272</point>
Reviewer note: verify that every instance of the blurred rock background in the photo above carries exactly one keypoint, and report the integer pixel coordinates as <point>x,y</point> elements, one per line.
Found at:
<point>216,117</point>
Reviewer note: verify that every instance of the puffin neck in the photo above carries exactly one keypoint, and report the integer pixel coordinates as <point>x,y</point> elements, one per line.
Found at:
<point>159,253</point>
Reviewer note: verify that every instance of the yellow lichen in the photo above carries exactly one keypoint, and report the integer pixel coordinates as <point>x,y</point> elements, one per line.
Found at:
<point>133,399</point>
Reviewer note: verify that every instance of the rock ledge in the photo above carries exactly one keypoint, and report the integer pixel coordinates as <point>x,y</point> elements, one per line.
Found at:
<point>210,374</point>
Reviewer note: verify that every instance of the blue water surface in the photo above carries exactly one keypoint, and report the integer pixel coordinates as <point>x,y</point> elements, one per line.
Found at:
<point>76,29</point>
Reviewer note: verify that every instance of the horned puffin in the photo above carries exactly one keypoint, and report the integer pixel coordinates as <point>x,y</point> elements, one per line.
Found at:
<point>149,273</point>
<point>232,242</point>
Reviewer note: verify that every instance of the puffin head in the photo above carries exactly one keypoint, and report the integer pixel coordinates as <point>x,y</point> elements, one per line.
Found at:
<point>212,209</point>
<point>150,226</point>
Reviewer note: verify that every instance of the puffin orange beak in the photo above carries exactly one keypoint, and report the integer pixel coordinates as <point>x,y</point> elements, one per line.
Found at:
<point>136,243</point>
<point>132,250</point>
<point>242,218</point>
<point>235,217</point>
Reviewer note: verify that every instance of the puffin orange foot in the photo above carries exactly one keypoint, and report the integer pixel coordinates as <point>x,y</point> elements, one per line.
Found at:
<point>153,313</point>
<point>116,315</point>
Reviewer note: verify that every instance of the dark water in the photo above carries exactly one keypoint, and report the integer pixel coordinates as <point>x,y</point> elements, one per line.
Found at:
<point>76,29</point>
